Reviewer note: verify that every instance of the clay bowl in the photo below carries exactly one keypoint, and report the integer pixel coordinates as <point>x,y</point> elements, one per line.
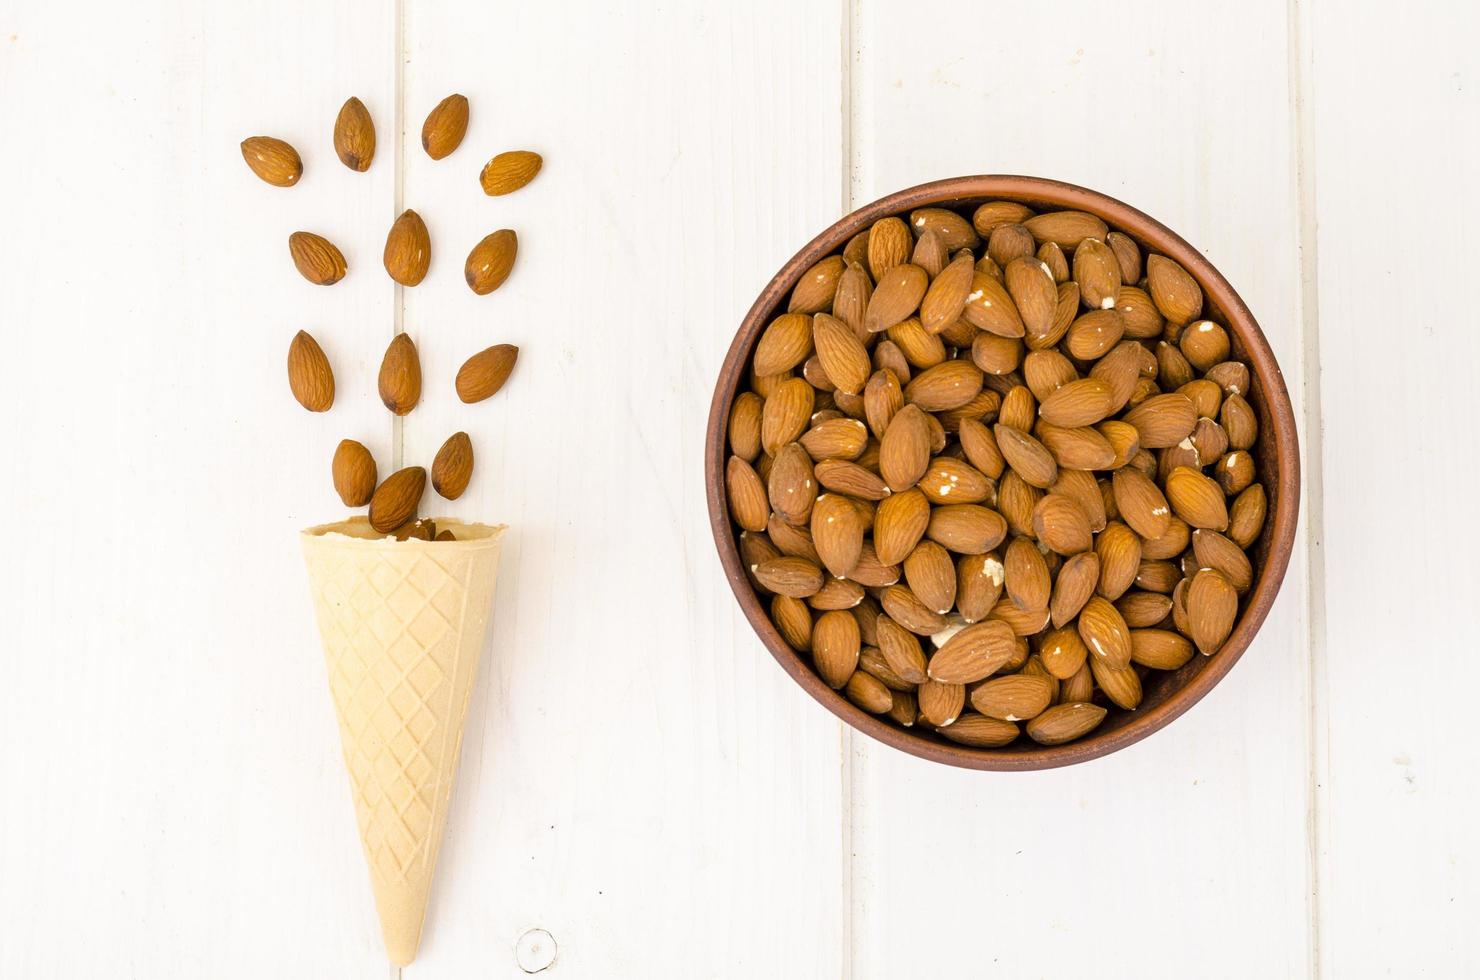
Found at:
<point>1167,695</point>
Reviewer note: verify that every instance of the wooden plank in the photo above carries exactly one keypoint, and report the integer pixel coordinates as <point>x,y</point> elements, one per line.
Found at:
<point>1396,151</point>
<point>1200,832</point>
<point>639,778</point>
<point>175,805</point>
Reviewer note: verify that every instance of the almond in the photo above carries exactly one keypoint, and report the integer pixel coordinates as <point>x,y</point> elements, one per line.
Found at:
<point>1016,501</point>
<point>835,647</point>
<point>1052,257</point>
<point>815,290</point>
<point>848,478</point>
<point>1142,319</point>
<point>994,354</point>
<point>979,581</point>
<point>273,160</point>
<point>948,480</point>
<point>394,501</point>
<point>1158,576</point>
<point>786,575</point>
<point>1080,687</point>
<point>453,466</point>
<point>975,652</point>
<point>1231,377</point>
<point>785,414</point>
<point>309,376</point>
<point>1175,293</point>
<point>483,374</point>
<point>904,452</point>
<point>981,448</point>
<point>889,245</point>
<point>445,127</point>
<point>1063,318</point>
<point>1169,545</point>
<point>1097,271</point>
<point>1072,588</point>
<point>1215,551</point>
<point>920,348</point>
<point>1163,420</point>
<point>1060,525</point>
<point>882,398</point>
<point>1104,632</point>
<point>1239,422</point>
<point>745,426</point>
<point>786,342</point>
<point>1160,649</point>
<point>1143,609</point>
<point>1172,367</point>
<point>930,254</point>
<point>794,621</point>
<point>747,495</point>
<point>354,473</point>
<point>1122,685</point>
<point>1008,243</point>
<point>354,135</point>
<point>1127,256</point>
<point>1046,371</point>
<point>945,298</point>
<point>931,575</point>
<point>791,539</point>
<point>838,439</point>
<point>1196,499</point>
<point>1065,722</point>
<point>1082,488</point>
<point>1078,403</point>
<point>1204,343</point>
<point>836,593</point>
<point>967,529</point>
<point>790,486</point>
<point>316,258</point>
<point>954,231</point>
<point>1080,449</point>
<point>871,660</point>
<point>837,533</point>
<point>400,376</point>
<point>989,307</point>
<point>489,263</point>
<point>940,704</point>
<point>408,249</point>
<point>1212,607</point>
<point>988,216</point>
<point>868,693</point>
<point>1094,334</point>
<point>901,651</point>
<point>1246,519</point>
<point>509,171</point>
<point>1141,503</point>
<point>1063,652</point>
<point>1119,551</point>
<point>1124,441</point>
<point>945,386</point>
<point>1017,697</point>
<point>1234,471</point>
<point>1027,456</point>
<point>979,731</point>
<point>842,354</point>
<point>899,524</point>
<point>1066,228</point>
<point>1028,580</point>
<point>906,609</point>
<point>850,301</point>
<point>896,297</point>
<point>1018,409</point>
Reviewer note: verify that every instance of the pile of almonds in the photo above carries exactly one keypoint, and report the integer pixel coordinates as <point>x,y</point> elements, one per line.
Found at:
<point>992,471</point>
<point>407,257</point>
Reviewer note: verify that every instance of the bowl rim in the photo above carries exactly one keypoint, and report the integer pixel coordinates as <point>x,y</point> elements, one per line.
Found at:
<point>1151,234</point>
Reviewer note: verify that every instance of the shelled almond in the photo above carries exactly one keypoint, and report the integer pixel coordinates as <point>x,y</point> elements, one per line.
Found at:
<point>993,469</point>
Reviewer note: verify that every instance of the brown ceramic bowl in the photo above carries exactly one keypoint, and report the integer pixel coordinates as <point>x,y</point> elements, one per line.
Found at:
<point>1167,694</point>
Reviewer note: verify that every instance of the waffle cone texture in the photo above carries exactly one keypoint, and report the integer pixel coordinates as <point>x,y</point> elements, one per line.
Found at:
<point>403,624</point>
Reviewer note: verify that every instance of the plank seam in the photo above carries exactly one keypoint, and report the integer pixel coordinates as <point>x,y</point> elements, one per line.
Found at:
<point>1317,723</point>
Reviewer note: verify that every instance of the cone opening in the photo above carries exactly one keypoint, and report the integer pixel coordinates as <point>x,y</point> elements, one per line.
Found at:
<point>359,529</point>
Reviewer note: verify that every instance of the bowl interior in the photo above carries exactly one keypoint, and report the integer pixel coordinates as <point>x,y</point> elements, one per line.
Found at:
<point>1166,694</point>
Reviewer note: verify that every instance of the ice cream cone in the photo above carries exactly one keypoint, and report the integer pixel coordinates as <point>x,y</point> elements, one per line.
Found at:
<point>403,625</point>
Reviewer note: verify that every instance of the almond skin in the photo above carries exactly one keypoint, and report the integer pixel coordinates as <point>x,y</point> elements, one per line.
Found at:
<point>1027,456</point>
<point>1141,503</point>
<point>354,473</point>
<point>1196,499</point>
<point>979,731</point>
<point>1065,722</point>
<point>1163,420</point>
<point>973,653</point>
<point>896,297</point>
<point>483,374</point>
<point>1082,402</point>
<point>1060,524</point>
<point>791,487</point>
<point>1175,293</point>
<point>785,343</point>
<point>989,307</point>
<point>904,452</point>
<point>945,386</point>
<point>901,650</point>
<point>1212,607</point>
<point>408,249</point>
<point>1104,632</point>
<point>1160,649</point>
<point>946,296</point>
<point>835,647</point>
<point>747,495</point>
<point>954,231</point>
<point>1016,697</point>
<point>400,376</point>
<point>445,126</point>
<point>940,703</point>
<point>489,263</point>
<point>1072,588</point>
<point>395,501</point>
<point>842,354</point>
<point>837,533</point>
<point>309,375</point>
<point>1030,283</point>
<point>814,292</point>
<point>1066,228</point>
<point>275,161</point>
<point>317,259</point>
<point>967,529</point>
<point>790,576</point>
<point>509,171</point>
<point>354,135</point>
<point>868,692</point>
<point>889,245</point>
<point>899,523</point>
<point>453,466</point>
<point>785,415</point>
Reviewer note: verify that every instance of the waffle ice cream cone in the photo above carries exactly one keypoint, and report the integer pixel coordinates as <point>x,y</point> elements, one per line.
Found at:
<point>403,624</point>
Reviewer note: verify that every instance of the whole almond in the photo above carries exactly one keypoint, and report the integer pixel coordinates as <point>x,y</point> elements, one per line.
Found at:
<point>1081,448</point>
<point>1082,402</point>
<point>869,693</point>
<point>1065,722</point>
<point>309,375</point>
<point>786,413</point>
<point>489,263</point>
<point>901,650</point>
<point>1172,367</point>
<point>785,343</point>
<point>1122,685</point>
<point>1046,371</point>
<point>945,297</point>
<point>1160,649</point>
<point>1052,257</point>
<point>948,480</point>
<point>1141,503</point>
<point>1063,652</point>
<point>791,539</point>
<point>1080,687</point>
<point>1034,293</point>
<point>954,231</point>
<point>844,477</point>
<point>747,495</point>
<point>842,354</point>
<point>788,575</point>
<point>316,258</point>
<point>1066,228</point>
<point>453,466</point>
<point>989,307</point>
<point>483,374</point>
<point>509,171</point>
<point>1196,499</point>
<point>745,425</point>
<point>840,438</point>
<point>994,354</point>
<point>1239,422</point>
<point>408,249</point>
<point>1073,586</point>
<point>1142,318</point>
<point>1143,609</point>
<point>1212,607</point>
<point>394,501</point>
<point>973,653</point>
<point>882,398</point>
<point>354,473</point>
<point>889,245</point>
<point>1063,318</point>
<point>400,376</point>
<point>1175,293</point>
<point>903,711</point>
<point>1017,697</point>
<point>835,647</point>
<point>904,452</point>
<point>273,160</point>
<point>896,297</point>
<point>1120,369</point>
<point>850,301</point>
<point>1027,456</point>
<point>899,523</point>
<point>993,213</point>
<point>1158,576</point>
<point>1163,420</point>
<point>836,593</point>
<point>816,288</point>
<point>1169,545</point>
<point>1097,271</point>
<point>920,348</point>
<point>1082,488</point>
<point>966,529</point>
<point>837,533</point>
<point>979,581</point>
<point>906,609</point>
<point>871,660</point>
<point>931,575</point>
<point>1094,334</point>
<point>1104,632</point>
<point>1061,526</point>
<point>790,486</point>
<point>1027,577</point>
<point>1018,408</point>
<point>981,448</point>
<point>1016,501</point>
<point>445,126</point>
<point>940,704</point>
<point>354,135</point>
<point>794,621</point>
<point>1213,550</point>
<point>1119,551</point>
<point>944,386</point>
<point>1127,256</point>
<point>979,731</point>
<point>1246,518</point>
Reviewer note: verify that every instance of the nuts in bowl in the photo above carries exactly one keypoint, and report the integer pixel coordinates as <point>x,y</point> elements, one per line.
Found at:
<point>1003,472</point>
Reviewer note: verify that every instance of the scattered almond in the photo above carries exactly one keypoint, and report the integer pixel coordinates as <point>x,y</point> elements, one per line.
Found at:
<point>509,171</point>
<point>273,160</point>
<point>445,126</point>
<point>489,263</point>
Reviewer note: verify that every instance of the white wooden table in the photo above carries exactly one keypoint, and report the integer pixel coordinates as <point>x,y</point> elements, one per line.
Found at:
<point>639,779</point>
